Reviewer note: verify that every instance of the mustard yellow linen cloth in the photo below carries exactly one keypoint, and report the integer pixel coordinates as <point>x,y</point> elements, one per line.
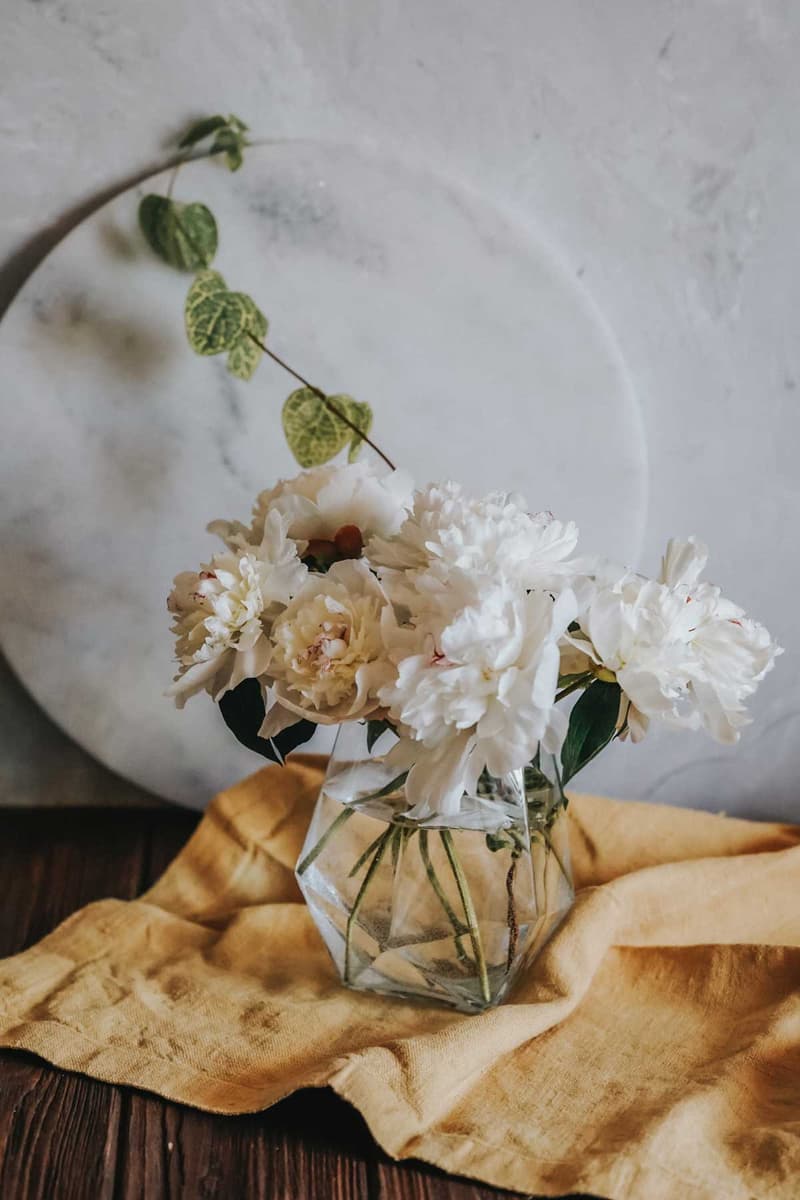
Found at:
<point>653,1051</point>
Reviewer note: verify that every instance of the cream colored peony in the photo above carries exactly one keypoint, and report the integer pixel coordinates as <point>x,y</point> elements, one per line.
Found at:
<point>223,613</point>
<point>320,502</point>
<point>328,659</point>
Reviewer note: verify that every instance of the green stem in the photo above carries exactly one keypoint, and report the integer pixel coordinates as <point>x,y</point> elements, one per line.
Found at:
<point>469,913</point>
<point>580,682</point>
<point>317,849</point>
<point>319,392</point>
<point>555,855</point>
<point>359,900</point>
<point>362,858</point>
<point>459,929</point>
<point>513,924</point>
<point>559,781</point>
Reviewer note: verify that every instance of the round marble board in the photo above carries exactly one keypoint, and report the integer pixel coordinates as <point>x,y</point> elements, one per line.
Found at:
<point>481,356</point>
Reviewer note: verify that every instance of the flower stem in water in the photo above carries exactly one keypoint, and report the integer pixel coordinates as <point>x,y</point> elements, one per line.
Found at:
<point>383,842</point>
<point>316,850</point>
<point>458,926</point>
<point>362,858</point>
<point>469,913</point>
<point>513,924</point>
<point>555,854</point>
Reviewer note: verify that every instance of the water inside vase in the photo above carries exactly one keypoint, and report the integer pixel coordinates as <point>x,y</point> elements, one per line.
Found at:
<point>446,912</point>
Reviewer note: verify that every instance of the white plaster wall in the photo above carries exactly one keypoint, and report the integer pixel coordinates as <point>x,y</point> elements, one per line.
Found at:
<point>654,144</point>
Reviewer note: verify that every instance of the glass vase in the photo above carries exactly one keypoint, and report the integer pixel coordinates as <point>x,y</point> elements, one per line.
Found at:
<point>443,909</point>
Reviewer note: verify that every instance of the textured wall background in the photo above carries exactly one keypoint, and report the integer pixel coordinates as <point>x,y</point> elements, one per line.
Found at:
<point>653,144</point>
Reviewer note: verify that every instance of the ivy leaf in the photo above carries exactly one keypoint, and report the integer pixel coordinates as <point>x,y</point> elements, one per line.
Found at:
<point>184,235</point>
<point>218,320</point>
<point>592,725</point>
<point>375,731</point>
<point>314,434</point>
<point>215,317</point>
<point>243,712</point>
<point>230,142</point>
<point>360,413</point>
<point>201,129</point>
<point>244,355</point>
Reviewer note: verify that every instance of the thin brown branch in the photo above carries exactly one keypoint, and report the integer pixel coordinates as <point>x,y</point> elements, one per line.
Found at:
<point>318,392</point>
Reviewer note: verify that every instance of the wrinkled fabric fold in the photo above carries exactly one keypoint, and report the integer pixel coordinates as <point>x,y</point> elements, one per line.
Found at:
<point>652,1051</point>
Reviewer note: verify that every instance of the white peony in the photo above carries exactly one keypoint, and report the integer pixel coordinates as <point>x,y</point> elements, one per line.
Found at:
<point>447,528</point>
<point>223,613</point>
<point>320,502</point>
<point>679,651</point>
<point>732,653</point>
<point>476,676</point>
<point>328,657</point>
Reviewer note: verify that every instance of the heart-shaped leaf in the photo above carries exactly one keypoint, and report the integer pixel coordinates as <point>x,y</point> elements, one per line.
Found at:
<point>183,235</point>
<point>230,137</point>
<point>215,317</point>
<point>313,432</point>
<point>230,142</point>
<point>592,725</point>
<point>218,320</point>
<point>360,413</point>
<point>245,355</point>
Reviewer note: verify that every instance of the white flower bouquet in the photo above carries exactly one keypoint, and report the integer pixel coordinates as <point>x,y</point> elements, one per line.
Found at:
<point>473,663</point>
<point>486,665</point>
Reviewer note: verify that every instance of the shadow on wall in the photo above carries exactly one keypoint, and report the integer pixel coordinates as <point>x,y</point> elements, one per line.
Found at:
<point>65,774</point>
<point>41,766</point>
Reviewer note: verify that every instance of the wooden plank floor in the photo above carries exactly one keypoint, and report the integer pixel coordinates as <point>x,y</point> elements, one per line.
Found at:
<point>64,1137</point>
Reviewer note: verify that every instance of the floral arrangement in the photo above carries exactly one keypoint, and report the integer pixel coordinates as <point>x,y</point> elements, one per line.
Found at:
<point>464,625</point>
<point>500,661</point>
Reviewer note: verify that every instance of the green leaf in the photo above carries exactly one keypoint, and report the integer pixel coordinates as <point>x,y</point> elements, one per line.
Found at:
<point>592,725</point>
<point>218,320</point>
<point>375,731</point>
<point>201,129</point>
<point>231,143</point>
<point>313,432</point>
<point>215,317</point>
<point>244,355</point>
<point>360,413</point>
<point>243,712</point>
<point>184,235</point>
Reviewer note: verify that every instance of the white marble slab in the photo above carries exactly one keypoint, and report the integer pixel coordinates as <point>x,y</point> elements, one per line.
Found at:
<point>482,356</point>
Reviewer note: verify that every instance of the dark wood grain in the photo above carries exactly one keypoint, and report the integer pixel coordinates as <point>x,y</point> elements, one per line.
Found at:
<point>65,1137</point>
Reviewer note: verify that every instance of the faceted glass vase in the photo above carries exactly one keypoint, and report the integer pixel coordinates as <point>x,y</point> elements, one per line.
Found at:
<point>443,909</point>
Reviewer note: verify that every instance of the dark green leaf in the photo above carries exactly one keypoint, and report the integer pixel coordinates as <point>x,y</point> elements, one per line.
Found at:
<point>201,129</point>
<point>243,712</point>
<point>184,235</point>
<point>592,725</point>
<point>375,731</point>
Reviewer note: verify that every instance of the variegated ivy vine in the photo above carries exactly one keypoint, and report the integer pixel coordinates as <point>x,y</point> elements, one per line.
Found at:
<point>219,321</point>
